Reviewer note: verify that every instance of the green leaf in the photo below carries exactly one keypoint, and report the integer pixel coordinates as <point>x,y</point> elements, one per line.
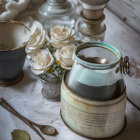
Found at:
<point>20,135</point>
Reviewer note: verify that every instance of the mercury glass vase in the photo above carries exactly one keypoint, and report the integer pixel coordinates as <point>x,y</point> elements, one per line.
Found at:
<point>51,88</point>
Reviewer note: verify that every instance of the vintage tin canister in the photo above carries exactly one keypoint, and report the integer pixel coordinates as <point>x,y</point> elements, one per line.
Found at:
<point>93,95</point>
<point>91,118</point>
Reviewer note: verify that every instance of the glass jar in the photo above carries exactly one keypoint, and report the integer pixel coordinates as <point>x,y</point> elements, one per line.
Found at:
<point>96,73</point>
<point>56,12</point>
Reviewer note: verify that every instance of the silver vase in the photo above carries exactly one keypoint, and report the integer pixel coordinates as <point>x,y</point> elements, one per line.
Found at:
<point>51,89</point>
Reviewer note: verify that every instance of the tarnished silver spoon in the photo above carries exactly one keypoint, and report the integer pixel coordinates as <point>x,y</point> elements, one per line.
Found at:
<point>45,129</point>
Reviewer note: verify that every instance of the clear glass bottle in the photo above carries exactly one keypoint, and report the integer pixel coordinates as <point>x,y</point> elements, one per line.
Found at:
<point>96,73</point>
<point>56,12</point>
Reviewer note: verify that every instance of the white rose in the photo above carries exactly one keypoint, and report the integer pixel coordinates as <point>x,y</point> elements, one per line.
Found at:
<point>37,38</point>
<point>60,36</point>
<point>41,60</point>
<point>64,56</point>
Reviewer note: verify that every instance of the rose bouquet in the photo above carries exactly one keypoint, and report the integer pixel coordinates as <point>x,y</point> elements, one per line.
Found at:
<point>50,53</point>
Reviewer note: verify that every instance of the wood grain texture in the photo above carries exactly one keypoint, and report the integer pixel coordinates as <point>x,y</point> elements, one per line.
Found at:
<point>128,42</point>
<point>128,11</point>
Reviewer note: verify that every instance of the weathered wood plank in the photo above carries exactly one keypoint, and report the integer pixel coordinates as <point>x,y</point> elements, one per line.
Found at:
<point>128,42</point>
<point>128,11</point>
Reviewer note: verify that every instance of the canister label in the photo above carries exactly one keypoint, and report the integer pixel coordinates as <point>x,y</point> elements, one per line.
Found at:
<point>92,119</point>
<point>89,120</point>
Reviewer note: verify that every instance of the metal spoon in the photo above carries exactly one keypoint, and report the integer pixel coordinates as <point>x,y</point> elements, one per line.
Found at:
<point>96,60</point>
<point>45,129</point>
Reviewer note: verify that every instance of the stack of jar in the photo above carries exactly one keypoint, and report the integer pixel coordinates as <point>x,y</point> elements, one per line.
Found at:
<point>92,19</point>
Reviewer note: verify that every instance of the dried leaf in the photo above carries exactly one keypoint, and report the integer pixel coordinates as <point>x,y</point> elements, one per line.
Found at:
<point>20,135</point>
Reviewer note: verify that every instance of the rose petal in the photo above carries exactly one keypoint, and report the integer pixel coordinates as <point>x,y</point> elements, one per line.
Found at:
<point>57,54</point>
<point>60,44</point>
<point>37,72</point>
<point>65,67</point>
<point>67,51</point>
<point>61,33</point>
<point>67,62</point>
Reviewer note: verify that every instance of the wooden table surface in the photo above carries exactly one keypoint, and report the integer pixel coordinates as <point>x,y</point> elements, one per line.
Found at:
<point>26,96</point>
